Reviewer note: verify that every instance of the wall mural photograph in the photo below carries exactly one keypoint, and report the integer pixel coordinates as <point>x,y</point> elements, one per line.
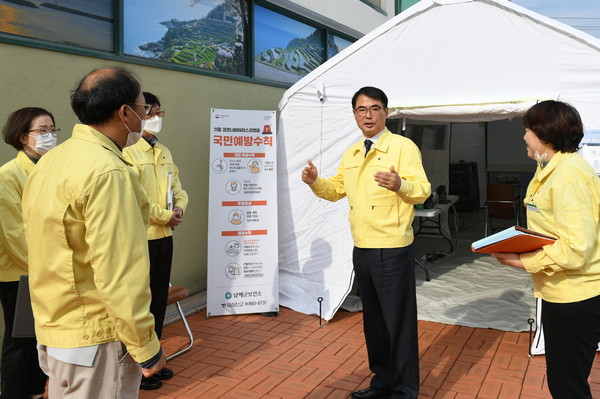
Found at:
<point>208,34</point>
<point>80,23</point>
<point>285,49</point>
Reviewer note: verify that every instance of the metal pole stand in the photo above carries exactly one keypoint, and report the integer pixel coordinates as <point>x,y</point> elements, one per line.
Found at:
<point>530,321</point>
<point>424,267</point>
<point>320,299</point>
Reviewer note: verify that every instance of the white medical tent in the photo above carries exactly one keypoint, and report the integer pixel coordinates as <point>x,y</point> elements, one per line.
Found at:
<point>440,60</point>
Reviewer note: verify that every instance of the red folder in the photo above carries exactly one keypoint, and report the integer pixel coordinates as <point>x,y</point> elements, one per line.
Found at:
<point>515,239</point>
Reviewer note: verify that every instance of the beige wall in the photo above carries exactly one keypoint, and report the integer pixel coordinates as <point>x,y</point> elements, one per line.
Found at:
<point>43,78</point>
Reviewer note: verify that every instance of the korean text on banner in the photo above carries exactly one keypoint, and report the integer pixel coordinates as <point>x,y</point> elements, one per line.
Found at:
<point>242,221</point>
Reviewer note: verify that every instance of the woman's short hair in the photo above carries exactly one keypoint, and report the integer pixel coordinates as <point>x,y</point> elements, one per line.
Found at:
<point>20,122</point>
<point>555,123</point>
<point>371,92</point>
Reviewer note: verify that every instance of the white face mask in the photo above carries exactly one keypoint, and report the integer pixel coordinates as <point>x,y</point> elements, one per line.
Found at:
<point>43,144</point>
<point>540,159</point>
<point>153,125</point>
<point>134,137</point>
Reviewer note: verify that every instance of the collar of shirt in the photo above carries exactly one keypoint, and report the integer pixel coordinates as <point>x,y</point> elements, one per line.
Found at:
<point>118,146</point>
<point>32,158</point>
<point>542,172</point>
<point>376,137</point>
<point>550,165</point>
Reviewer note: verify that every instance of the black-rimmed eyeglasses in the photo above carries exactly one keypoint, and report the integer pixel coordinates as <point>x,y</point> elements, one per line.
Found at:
<point>45,132</point>
<point>147,107</point>
<point>157,113</point>
<point>362,111</point>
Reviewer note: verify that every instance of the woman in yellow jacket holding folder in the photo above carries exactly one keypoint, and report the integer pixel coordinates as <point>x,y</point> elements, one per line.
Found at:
<point>30,131</point>
<point>563,201</point>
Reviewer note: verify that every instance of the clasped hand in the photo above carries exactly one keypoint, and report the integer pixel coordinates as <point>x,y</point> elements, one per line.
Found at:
<point>176,217</point>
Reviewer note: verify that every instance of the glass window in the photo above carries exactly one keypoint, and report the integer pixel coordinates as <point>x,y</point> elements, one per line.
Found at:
<point>81,23</point>
<point>336,44</point>
<point>285,50</point>
<point>376,3</point>
<point>208,34</point>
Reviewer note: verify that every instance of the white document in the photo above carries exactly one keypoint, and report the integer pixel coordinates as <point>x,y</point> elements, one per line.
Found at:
<point>170,191</point>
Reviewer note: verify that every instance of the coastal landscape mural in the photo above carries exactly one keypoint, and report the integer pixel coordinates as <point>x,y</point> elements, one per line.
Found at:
<point>208,34</point>
<point>285,49</point>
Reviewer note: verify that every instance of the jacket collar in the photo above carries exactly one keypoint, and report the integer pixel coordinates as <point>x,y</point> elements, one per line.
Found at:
<point>25,161</point>
<point>558,157</point>
<point>88,133</point>
<point>144,144</point>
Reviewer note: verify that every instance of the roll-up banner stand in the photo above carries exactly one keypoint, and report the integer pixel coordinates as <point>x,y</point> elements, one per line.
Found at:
<point>242,220</point>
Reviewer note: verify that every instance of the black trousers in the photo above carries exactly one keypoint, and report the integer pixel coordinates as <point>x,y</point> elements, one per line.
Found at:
<point>571,337</point>
<point>20,371</point>
<point>161,256</point>
<point>386,284</point>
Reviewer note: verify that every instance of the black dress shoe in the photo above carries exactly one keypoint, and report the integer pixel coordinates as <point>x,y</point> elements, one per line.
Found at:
<point>164,374</point>
<point>370,393</point>
<point>150,383</point>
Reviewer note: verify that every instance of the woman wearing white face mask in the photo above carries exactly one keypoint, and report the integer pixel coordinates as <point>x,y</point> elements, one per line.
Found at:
<point>563,201</point>
<point>39,141</point>
<point>32,132</point>
<point>159,176</point>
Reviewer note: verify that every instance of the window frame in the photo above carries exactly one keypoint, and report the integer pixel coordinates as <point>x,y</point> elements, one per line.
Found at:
<point>118,54</point>
<point>375,7</point>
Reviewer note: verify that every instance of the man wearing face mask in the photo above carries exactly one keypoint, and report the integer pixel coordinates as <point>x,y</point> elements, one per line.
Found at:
<point>88,274</point>
<point>159,176</point>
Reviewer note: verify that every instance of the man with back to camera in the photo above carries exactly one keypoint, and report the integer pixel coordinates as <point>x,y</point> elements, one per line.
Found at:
<point>383,178</point>
<point>159,176</point>
<point>89,279</point>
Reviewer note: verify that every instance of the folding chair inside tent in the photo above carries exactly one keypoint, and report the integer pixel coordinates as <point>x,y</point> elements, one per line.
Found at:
<point>177,294</point>
<point>502,203</point>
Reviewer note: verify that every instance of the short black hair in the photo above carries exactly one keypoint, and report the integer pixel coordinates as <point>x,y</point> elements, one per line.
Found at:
<point>20,122</point>
<point>102,92</point>
<point>556,123</point>
<point>151,99</point>
<point>371,92</point>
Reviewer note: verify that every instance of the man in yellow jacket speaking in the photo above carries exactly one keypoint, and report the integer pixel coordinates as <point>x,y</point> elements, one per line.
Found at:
<point>85,216</point>
<point>382,175</point>
<point>153,163</point>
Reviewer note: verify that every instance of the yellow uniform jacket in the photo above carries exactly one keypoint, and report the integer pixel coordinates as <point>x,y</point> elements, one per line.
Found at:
<point>156,169</point>
<point>379,218</point>
<point>563,201</point>
<point>13,245</point>
<point>86,216</point>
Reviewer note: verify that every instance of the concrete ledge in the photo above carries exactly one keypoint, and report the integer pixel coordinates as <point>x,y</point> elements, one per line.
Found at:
<point>22,3</point>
